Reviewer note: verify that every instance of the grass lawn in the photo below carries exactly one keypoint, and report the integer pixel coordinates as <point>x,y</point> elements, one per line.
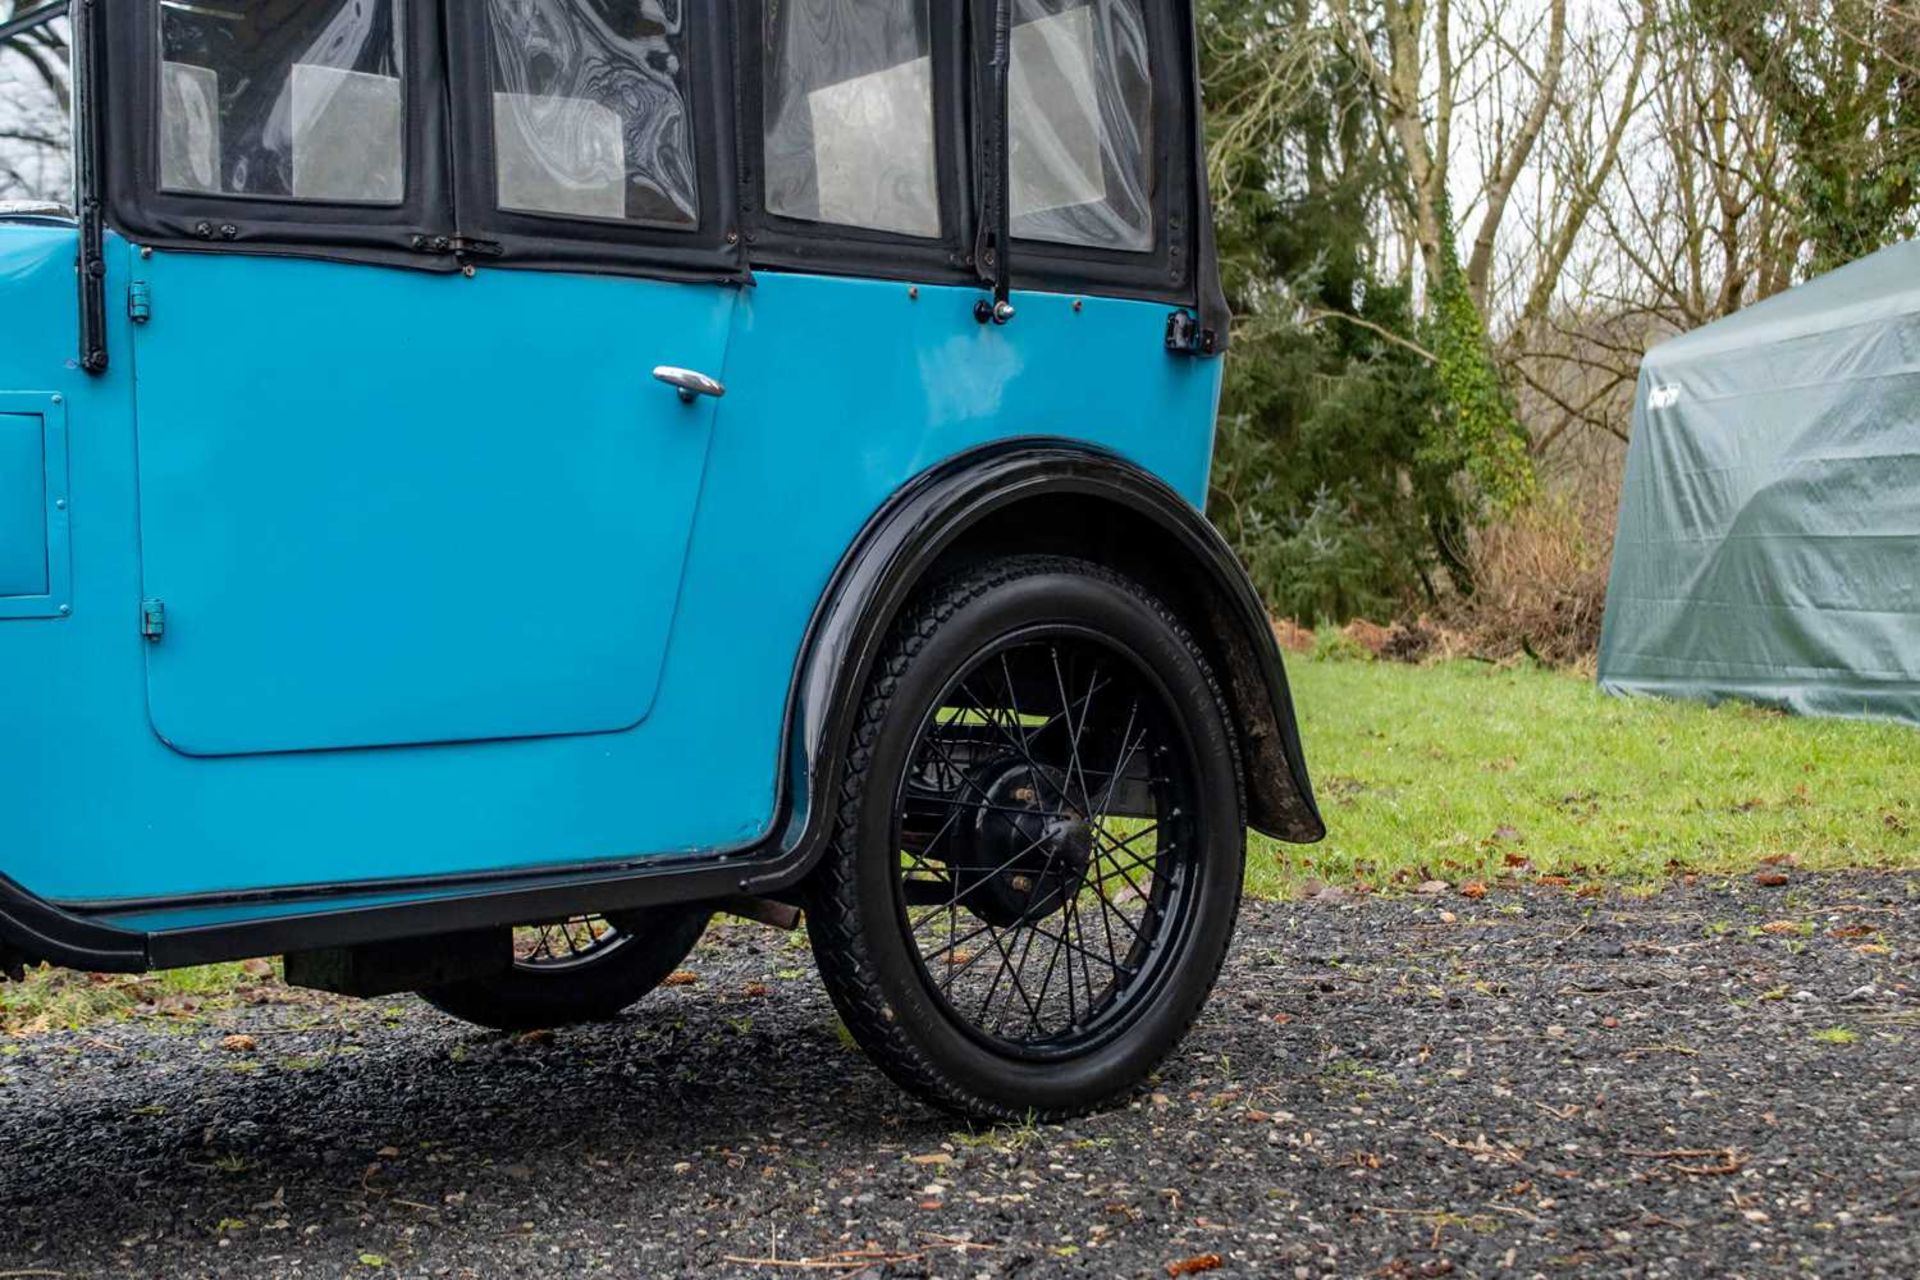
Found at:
<point>1463,770</point>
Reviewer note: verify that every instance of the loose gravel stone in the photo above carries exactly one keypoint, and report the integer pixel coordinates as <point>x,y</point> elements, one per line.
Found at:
<point>1718,1079</point>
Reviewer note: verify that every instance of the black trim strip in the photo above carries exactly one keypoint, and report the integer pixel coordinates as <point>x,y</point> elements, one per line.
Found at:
<point>92,265</point>
<point>990,245</point>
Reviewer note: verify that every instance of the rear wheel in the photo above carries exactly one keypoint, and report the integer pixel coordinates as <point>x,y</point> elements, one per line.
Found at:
<point>583,969</point>
<point>1039,848</point>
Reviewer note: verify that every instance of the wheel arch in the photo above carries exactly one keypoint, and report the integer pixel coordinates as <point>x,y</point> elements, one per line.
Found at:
<point>1066,498</point>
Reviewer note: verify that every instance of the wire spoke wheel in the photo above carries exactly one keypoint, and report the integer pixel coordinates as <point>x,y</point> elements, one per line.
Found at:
<point>568,943</point>
<point>583,968</point>
<point>1042,867</point>
<point>1038,852</point>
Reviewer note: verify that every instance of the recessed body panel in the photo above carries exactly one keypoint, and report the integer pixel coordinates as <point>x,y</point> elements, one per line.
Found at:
<point>23,506</point>
<point>386,508</point>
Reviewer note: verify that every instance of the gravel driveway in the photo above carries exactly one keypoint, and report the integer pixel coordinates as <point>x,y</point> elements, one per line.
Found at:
<point>1717,1079</point>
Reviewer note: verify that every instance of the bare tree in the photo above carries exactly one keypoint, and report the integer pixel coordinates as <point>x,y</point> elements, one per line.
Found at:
<point>1430,62</point>
<point>35,101</point>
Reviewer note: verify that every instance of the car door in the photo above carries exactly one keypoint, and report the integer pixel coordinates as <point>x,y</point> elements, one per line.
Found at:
<point>384,507</point>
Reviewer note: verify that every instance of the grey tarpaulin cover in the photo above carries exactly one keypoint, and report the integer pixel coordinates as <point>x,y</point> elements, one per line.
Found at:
<point>1769,544</point>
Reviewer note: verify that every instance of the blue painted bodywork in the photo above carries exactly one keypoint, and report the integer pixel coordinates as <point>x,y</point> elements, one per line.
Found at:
<point>451,585</point>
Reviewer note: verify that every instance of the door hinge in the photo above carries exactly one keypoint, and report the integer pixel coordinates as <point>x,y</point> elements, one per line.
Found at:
<point>139,302</point>
<point>153,619</point>
<point>458,246</point>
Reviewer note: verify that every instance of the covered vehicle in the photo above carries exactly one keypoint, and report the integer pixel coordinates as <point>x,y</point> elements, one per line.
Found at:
<point>1769,539</point>
<point>517,477</point>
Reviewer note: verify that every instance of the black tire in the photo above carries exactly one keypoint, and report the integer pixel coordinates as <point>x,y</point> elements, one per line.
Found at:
<point>883,860</point>
<point>592,985</point>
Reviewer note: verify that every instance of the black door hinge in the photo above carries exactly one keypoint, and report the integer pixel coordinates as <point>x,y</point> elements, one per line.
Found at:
<point>458,246</point>
<point>1186,336</point>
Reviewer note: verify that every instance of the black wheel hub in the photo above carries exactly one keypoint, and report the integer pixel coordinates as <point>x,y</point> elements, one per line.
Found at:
<point>1021,859</point>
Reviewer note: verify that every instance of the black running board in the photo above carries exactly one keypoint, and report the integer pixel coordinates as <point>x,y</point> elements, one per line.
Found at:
<point>130,937</point>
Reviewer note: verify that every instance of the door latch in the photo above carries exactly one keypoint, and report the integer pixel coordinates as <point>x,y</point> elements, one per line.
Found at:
<point>139,302</point>
<point>153,619</point>
<point>1188,337</point>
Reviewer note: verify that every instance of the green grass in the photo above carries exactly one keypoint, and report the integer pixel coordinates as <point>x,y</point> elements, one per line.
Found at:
<point>58,999</point>
<point>1463,770</point>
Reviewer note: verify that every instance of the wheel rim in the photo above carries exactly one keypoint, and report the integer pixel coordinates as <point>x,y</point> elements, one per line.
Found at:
<point>565,944</point>
<point>1045,823</point>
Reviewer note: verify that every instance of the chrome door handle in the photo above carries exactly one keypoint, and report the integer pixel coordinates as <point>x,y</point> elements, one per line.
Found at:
<point>690,384</point>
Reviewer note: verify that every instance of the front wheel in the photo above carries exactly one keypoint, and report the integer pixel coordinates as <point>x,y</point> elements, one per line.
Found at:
<point>583,969</point>
<point>1038,854</point>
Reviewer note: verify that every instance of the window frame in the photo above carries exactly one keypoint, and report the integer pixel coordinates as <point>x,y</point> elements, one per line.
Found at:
<point>1163,272</point>
<point>513,238</point>
<point>126,65</point>
<point>447,218</point>
<point>802,244</point>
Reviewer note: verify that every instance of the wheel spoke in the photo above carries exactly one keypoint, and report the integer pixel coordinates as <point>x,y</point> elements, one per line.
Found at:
<point>578,940</point>
<point>1034,913</point>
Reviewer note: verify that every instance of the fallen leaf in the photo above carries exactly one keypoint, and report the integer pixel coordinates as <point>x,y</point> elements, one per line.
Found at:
<point>1770,879</point>
<point>1431,887</point>
<point>1851,931</point>
<point>1283,1018</point>
<point>932,1157</point>
<point>680,978</point>
<point>1194,1265</point>
<point>1473,889</point>
<point>1447,917</point>
<point>755,989</point>
<point>539,1036</point>
<point>239,1044</point>
<point>1553,882</point>
<point>1780,926</point>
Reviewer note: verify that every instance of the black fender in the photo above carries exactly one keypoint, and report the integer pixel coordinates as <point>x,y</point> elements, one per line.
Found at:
<point>1062,497</point>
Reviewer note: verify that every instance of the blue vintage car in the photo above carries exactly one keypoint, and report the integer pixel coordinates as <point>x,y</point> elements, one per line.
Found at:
<point>485,486</point>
